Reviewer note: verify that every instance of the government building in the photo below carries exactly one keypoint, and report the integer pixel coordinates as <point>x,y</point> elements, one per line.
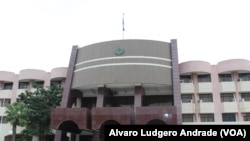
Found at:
<point>134,82</point>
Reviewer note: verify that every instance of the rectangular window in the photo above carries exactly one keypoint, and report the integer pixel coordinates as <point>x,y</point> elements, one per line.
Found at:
<point>88,102</point>
<point>187,118</point>
<point>205,98</point>
<point>3,120</point>
<point>56,83</point>
<point>246,116</point>
<point>157,100</point>
<point>122,101</point>
<point>207,117</point>
<point>228,117</point>
<point>4,102</point>
<point>23,85</point>
<point>8,86</point>
<point>244,76</point>
<point>245,96</point>
<point>186,98</point>
<point>204,78</point>
<point>186,79</point>
<point>225,77</point>
<point>227,97</point>
<point>39,84</point>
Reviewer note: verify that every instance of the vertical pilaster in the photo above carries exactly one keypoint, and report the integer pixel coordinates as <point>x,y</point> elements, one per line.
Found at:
<point>72,137</point>
<point>196,97</point>
<point>66,97</point>
<point>77,137</point>
<point>176,80</point>
<point>79,102</point>
<point>100,96</point>
<point>60,136</point>
<point>95,136</point>
<point>139,92</point>
<point>216,94</point>
<point>65,103</point>
<point>14,89</point>
<point>235,77</point>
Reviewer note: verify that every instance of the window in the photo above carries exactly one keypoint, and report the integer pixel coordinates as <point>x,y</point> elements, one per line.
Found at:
<point>7,86</point>
<point>88,102</point>
<point>186,79</point>
<point>121,101</point>
<point>228,117</point>
<point>245,96</point>
<point>23,85</point>
<point>39,84</point>
<point>18,100</point>
<point>246,116</point>
<point>204,78</point>
<point>186,98</point>
<point>244,76</point>
<point>3,119</point>
<point>225,77</point>
<point>205,98</point>
<point>187,118</point>
<point>4,102</point>
<point>227,97</point>
<point>207,117</point>
<point>56,83</point>
<point>157,100</point>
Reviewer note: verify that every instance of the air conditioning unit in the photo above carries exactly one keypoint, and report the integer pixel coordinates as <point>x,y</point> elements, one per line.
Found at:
<point>240,79</point>
<point>200,100</point>
<point>190,101</point>
<point>182,81</point>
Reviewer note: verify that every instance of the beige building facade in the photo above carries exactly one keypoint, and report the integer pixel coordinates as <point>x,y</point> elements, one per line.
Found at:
<point>214,94</point>
<point>11,85</point>
<point>139,75</point>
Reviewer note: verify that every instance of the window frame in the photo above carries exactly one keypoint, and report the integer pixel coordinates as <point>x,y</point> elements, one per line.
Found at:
<point>228,117</point>
<point>207,117</point>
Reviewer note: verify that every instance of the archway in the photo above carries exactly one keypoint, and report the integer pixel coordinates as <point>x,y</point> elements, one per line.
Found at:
<point>156,122</point>
<point>69,126</point>
<point>101,131</point>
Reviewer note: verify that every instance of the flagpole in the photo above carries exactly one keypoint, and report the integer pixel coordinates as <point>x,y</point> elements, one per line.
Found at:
<point>123,28</point>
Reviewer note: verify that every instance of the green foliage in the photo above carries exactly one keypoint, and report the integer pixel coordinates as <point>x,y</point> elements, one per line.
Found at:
<point>39,104</point>
<point>16,114</point>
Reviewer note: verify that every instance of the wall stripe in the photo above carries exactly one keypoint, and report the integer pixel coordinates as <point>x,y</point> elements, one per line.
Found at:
<point>123,57</point>
<point>123,64</point>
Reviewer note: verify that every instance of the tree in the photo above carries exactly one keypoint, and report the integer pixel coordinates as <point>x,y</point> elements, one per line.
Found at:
<point>39,104</point>
<point>16,114</point>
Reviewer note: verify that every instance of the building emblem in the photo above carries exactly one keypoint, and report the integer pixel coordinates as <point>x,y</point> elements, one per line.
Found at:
<point>119,51</point>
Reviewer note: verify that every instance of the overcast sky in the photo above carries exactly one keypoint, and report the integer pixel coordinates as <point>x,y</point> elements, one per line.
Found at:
<point>39,34</point>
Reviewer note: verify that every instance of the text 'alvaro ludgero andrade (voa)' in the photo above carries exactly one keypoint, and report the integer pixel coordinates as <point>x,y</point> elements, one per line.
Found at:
<point>171,132</point>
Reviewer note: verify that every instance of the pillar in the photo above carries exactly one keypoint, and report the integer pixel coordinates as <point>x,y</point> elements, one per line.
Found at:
<point>60,136</point>
<point>100,97</point>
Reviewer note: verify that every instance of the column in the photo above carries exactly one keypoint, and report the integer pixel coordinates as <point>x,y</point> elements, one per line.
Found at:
<point>60,136</point>
<point>95,135</point>
<point>235,77</point>
<point>79,102</point>
<point>100,97</point>
<point>196,97</point>
<point>139,92</point>
<point>72,137</point>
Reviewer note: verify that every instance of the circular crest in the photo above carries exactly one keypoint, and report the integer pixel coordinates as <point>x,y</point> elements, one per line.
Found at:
<point>119,51</point>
